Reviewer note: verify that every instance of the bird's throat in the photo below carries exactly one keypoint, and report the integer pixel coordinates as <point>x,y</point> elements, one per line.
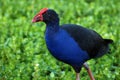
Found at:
<point>52,27</point>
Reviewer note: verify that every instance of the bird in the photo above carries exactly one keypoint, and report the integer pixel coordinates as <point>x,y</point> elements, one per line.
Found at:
<point>70,43</point>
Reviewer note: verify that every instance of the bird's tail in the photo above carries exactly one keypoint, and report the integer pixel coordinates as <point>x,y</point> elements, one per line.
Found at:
<point>108,41</point>
<point>105,49</point>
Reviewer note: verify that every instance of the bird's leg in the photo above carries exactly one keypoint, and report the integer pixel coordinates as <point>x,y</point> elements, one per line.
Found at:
<point>77,76</point>
<point>89,71</point>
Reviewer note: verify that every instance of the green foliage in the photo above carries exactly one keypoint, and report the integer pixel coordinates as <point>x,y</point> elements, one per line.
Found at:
<point>23,53</point>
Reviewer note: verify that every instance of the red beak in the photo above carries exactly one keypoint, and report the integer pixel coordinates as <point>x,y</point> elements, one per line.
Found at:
<point>37,18</point>
<point>33,21</point>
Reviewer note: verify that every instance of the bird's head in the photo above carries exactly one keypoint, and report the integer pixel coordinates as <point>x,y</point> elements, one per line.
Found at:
<point>46,15</point>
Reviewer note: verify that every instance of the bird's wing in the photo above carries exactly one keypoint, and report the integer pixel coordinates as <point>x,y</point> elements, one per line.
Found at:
<point>87,39</point>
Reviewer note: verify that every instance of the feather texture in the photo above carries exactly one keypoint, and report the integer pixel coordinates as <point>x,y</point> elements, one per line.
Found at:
<point>71,44</point>
<point>88,40</point>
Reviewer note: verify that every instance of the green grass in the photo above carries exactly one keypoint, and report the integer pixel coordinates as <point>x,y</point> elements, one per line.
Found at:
<point>23,53</point>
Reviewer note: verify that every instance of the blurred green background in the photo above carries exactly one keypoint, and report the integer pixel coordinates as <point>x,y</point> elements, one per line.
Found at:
<point>23,53</point>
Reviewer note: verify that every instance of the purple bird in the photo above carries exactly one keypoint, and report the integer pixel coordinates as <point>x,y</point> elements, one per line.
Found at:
<point>70,43</point>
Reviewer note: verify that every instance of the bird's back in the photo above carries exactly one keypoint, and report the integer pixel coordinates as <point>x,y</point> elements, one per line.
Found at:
<point>88,40</point>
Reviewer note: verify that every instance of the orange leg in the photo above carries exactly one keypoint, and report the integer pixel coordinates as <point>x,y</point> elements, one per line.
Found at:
<point>89,71</point>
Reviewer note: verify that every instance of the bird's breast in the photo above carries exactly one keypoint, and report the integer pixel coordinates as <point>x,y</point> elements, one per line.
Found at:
<point>62,46</point>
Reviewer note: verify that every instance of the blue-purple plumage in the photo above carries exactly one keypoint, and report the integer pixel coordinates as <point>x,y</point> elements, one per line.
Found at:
<point>64,48</point>
<point>70,43</point>
<point>88,40</point>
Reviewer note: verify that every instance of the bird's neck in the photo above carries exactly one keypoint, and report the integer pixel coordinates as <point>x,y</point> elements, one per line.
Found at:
<point>52,26</point>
